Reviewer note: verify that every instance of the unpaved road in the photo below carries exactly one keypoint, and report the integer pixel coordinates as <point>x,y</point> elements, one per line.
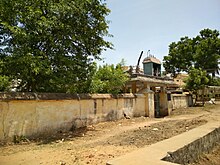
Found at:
<point>97,144</point>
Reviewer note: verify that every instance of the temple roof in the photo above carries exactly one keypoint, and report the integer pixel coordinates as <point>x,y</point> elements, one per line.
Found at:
<point>151,59</point>
<point>153,80</point>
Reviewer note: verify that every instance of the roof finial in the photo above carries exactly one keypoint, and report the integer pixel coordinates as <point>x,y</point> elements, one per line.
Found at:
<point>148,53</point>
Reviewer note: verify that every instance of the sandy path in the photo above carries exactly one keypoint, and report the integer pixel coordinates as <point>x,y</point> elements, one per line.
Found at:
<point>107,140</point>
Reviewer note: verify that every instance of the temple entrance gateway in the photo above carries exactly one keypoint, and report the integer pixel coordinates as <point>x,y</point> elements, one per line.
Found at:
<point>150,83</point>
<point>154,88</point>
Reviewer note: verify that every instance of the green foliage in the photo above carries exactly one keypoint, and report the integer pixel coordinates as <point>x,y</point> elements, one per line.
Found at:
<point>4,80</point>
<point>109,79</point>
<point>203,52</point>
<point>4,83</point>
<point>197,80</point>
<point>19,139</point>
<point>50,45</point>
<point>214,81</point>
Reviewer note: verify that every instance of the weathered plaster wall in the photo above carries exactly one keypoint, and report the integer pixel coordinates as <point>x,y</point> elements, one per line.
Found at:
<point>140,106</point>
<point>181,101</point>
<point>28,116</point>
<point>31,114</point>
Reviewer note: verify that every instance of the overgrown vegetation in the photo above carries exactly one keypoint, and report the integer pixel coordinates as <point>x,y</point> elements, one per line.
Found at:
<point>4,83</point>
<point>196,81</point>
<point>109,79</point>
<point>50,45</point>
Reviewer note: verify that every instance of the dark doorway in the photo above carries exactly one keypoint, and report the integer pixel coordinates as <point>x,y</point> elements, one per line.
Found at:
<point>157,104</point>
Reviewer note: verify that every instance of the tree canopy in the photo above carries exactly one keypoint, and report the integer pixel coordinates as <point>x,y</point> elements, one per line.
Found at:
<point>197,79</point>
<point>109,79</point>
<point>202,51</point>
<point>50,45</point>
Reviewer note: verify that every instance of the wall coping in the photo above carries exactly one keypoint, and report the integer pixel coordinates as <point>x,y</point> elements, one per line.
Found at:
<point>181,95</point>
<point>6,96</point>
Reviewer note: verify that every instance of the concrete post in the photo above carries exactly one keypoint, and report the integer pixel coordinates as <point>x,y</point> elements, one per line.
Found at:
<point>146,104</point>
<point>151,108</point>
<point>149,102</point>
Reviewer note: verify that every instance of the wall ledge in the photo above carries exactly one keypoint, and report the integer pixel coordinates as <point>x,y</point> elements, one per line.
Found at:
<point>7,96</point>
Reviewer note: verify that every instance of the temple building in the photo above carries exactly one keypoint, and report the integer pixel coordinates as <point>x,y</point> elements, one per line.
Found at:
<point>152,66</point>
<point>152,85</point>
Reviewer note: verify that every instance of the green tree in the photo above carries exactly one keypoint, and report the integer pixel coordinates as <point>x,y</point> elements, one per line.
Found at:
<point>50,45</point>
<point>4,80</point>
<point>4,83</point>
<point>214,81</point>
<point>196,81</point>
<point>203,52</point>
<point>207,51</point>
<point>109,79</point>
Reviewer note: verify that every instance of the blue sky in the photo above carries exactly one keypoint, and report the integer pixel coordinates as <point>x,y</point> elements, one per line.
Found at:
<point>153,24</point>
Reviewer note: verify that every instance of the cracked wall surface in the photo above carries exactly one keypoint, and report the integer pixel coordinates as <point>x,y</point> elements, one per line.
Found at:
<point>35,117</point>
<point>31,114</point>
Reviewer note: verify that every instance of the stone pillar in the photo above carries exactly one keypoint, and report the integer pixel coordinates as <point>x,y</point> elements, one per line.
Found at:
<point>163,102</point>
<point>146,104</point>
<point>149,102</point>
<point>151,108</point>
<point>170,104</point>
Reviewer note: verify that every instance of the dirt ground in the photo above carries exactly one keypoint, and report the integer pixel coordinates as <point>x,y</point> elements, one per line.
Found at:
<point>96,144</point>
<point>212,158</point>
